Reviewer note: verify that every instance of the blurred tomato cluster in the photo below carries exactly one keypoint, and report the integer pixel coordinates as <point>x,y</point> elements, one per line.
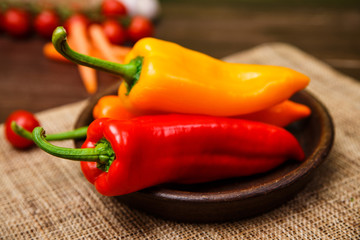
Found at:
<point>122,21</point>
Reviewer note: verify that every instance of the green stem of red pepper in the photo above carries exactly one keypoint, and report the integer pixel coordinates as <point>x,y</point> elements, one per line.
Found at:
<point>130,72</point>
<point>74,134</point>
<point>103,153</point>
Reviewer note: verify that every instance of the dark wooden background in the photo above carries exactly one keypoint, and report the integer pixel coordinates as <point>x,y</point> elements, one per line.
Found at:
<point>329,30</point>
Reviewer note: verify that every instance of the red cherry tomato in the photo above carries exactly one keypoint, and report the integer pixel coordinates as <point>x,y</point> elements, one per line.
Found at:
<point>114,31</point>
<point>140,27</point>
<point>113,8</point>
<point>17,22</point>
<point>46,22</point>
<point>24,119</point>
<point>74,18</point>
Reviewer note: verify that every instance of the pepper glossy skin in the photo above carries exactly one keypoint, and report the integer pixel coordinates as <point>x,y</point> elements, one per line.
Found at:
<point>281,114</point>
<point>111,106</point>
<point>176,79</point>
<point>161,76</point>
<point>151,150</point>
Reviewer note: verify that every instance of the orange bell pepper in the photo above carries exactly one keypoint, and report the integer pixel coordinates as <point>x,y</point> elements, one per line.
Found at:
<point>111,107</point>
<point>280,115</point>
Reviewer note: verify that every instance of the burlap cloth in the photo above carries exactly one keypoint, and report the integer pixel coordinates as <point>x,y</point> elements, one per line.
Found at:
<point>43,197</point>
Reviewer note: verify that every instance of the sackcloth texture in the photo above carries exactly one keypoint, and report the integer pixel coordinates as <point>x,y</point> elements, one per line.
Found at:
<point>43,197</point>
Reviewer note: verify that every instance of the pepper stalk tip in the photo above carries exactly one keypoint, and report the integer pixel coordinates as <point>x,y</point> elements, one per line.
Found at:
<point>20,130</point>
<point>130,71</point>
<point>102,154</point>
<point>58,36</point>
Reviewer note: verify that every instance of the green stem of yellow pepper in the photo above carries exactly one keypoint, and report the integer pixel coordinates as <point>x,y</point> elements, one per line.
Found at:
<point>130,72</point>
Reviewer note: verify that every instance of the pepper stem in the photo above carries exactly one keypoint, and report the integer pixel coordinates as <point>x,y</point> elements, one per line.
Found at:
<point>103,153</point>
<point>130,72</point>
<point>74,134</point>
<point>22,132</point>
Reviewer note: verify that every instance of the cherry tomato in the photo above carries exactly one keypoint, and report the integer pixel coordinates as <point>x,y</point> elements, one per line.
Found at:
<point>140,27</point>
<point>17,22</point>
<point>113,8</point>
<point>46,22</point>
<point>74,18</point>
<point>114,31</point>
<point>24,119</point>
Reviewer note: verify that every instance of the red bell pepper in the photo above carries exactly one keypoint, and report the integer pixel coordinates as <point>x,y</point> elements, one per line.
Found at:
<point>149,150</point>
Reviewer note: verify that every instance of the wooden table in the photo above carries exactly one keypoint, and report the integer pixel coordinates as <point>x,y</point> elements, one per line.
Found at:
<point>218,28</point>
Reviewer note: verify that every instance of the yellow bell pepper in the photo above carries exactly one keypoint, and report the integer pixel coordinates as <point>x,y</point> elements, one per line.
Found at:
<point>162,76</point>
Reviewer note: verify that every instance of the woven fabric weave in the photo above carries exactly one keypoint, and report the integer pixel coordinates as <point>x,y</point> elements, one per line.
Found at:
<point>43,197</point>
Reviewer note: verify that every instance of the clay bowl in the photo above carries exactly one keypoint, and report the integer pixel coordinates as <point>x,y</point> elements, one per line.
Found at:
<point>236,198</point>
